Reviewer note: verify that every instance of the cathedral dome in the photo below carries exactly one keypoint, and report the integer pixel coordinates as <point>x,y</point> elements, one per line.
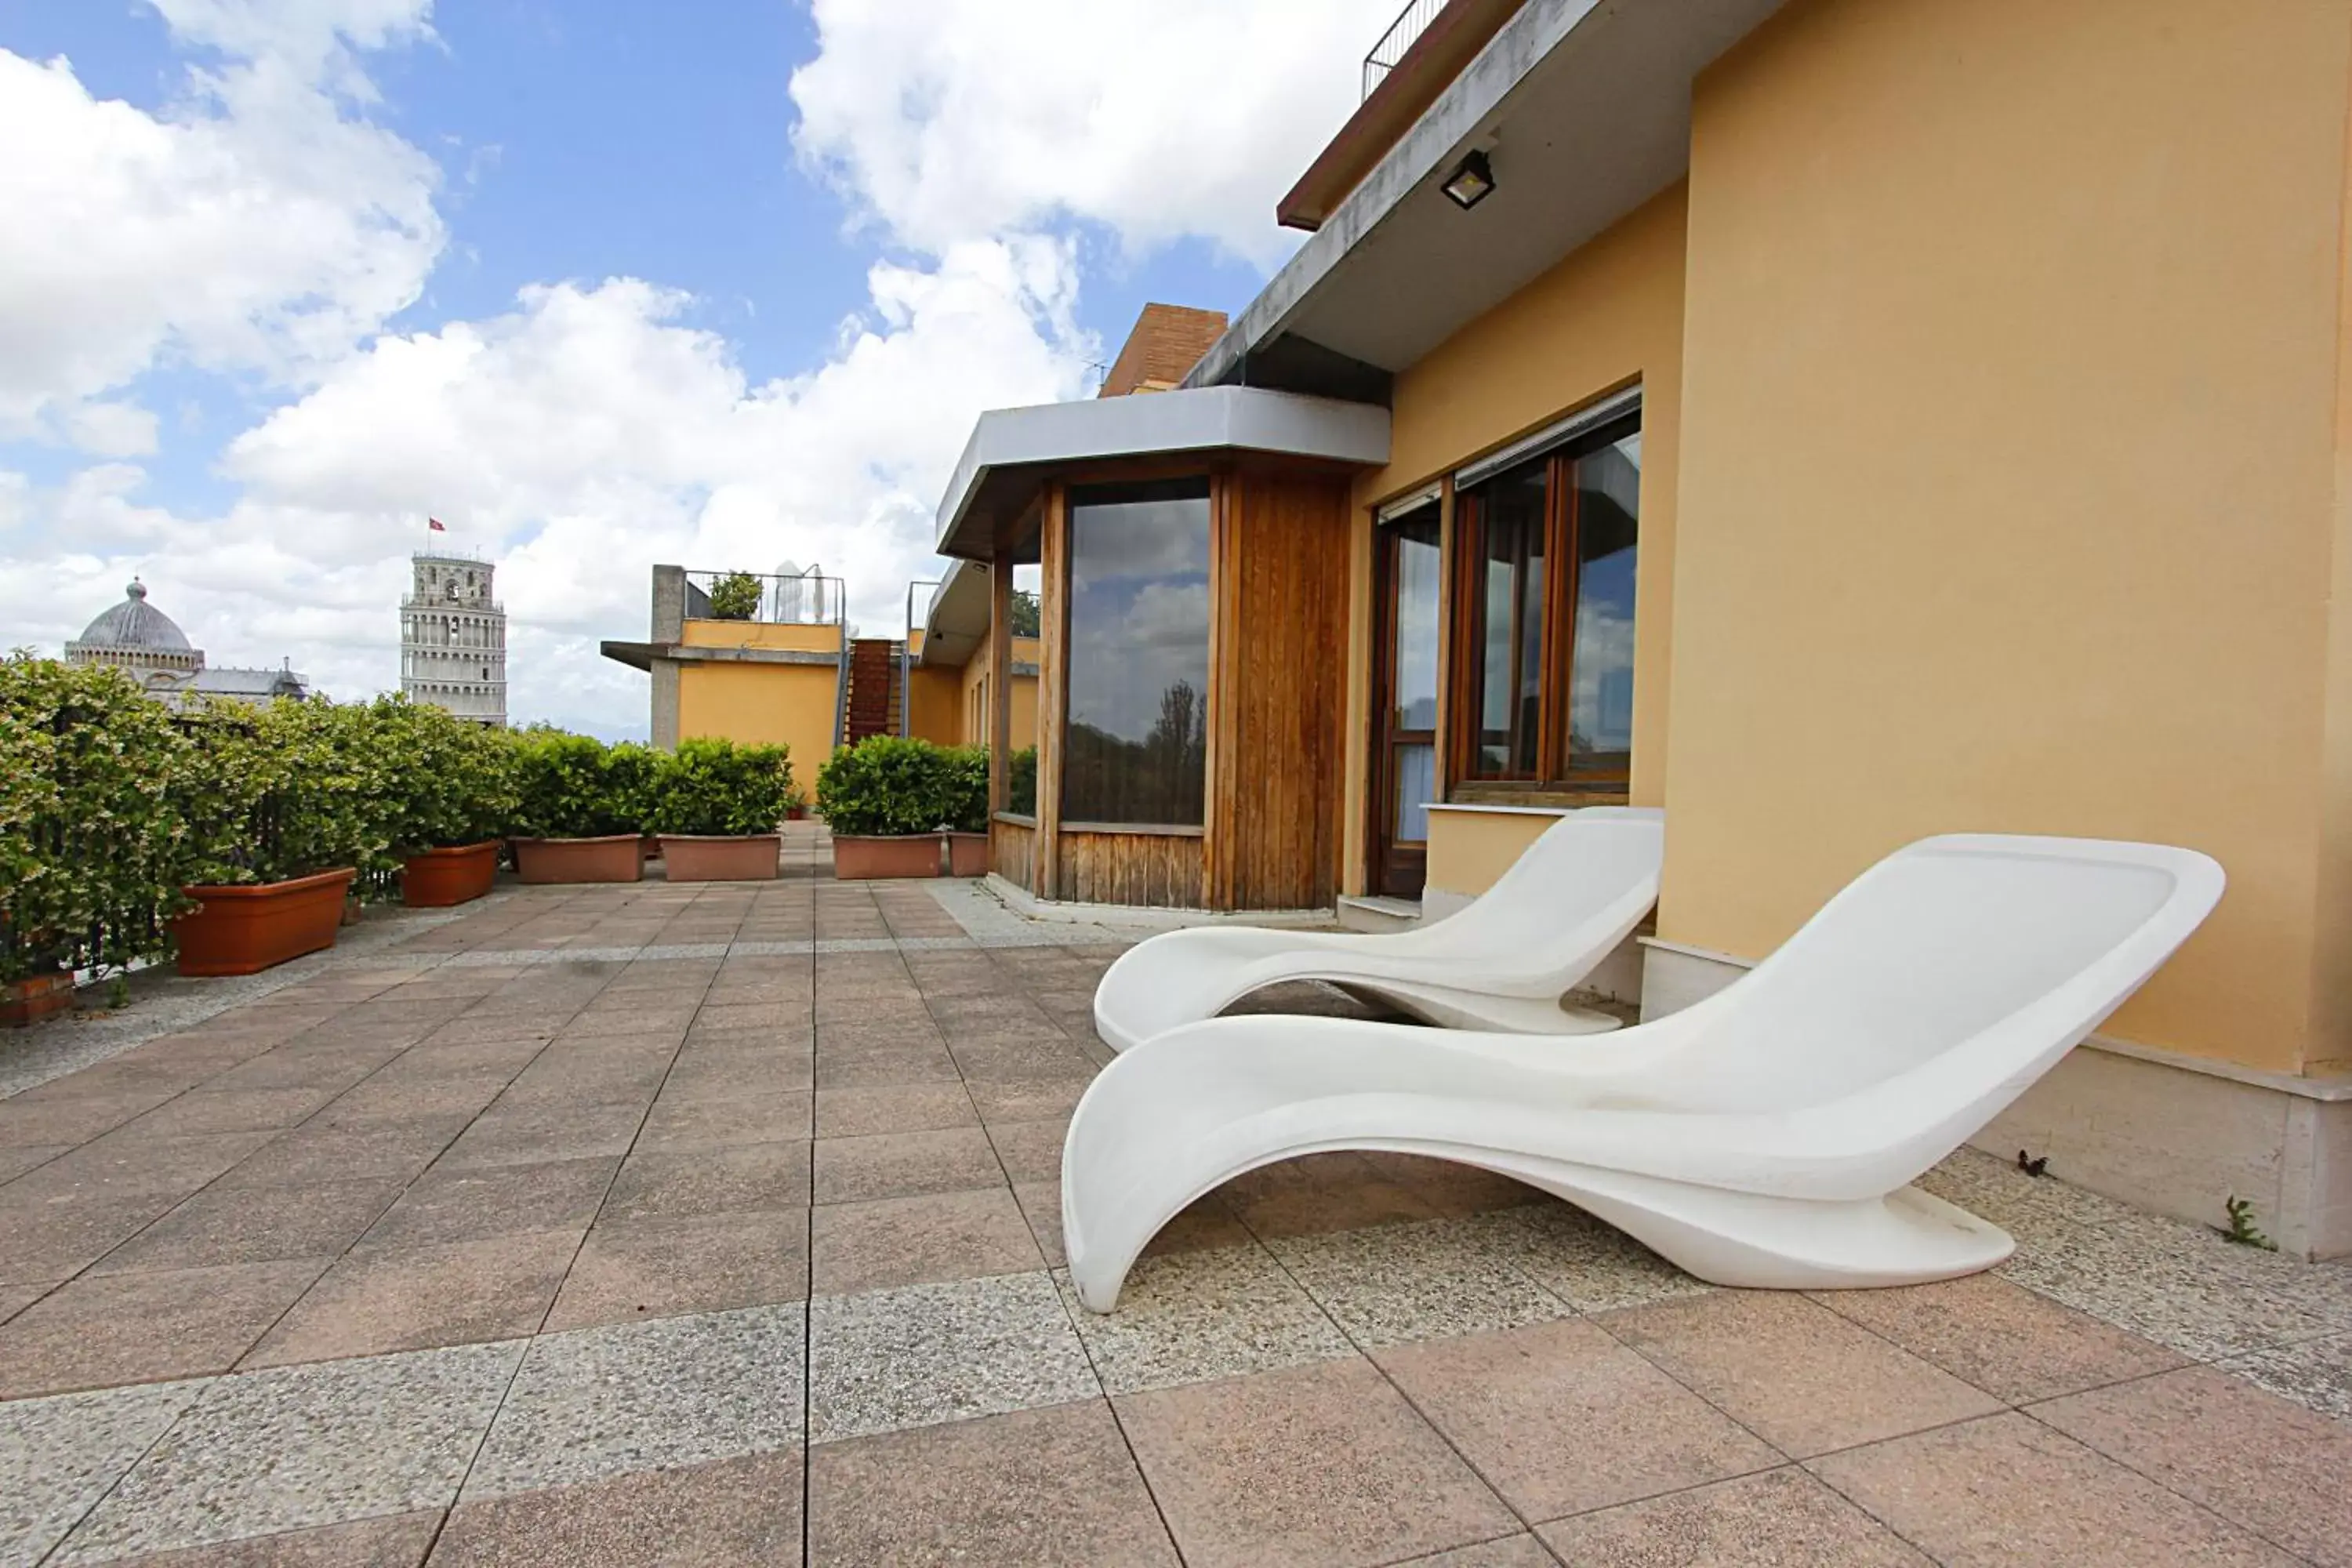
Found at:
<point>135,623</point>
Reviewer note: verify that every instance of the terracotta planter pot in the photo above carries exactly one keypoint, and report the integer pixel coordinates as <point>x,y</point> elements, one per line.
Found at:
<point>440,877</point>
<point>618,858</point>
<point>24,1002</point>
<point>861,859</point>
<point>796,814</point>
<point>246,929</point>
<point>694,857</point>
<point>967,854</point>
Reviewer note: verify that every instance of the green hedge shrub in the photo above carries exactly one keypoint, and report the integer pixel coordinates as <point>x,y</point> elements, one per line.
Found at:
<point>456,779</point>
<point>888,786</point>
<point>94,840</point>
<point>576,786</point>
<point>717,788</point>
<point>736,597</point>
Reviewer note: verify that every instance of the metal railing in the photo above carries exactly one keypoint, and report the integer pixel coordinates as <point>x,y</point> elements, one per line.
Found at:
<point>811,599</point>
<point>1386,55</point>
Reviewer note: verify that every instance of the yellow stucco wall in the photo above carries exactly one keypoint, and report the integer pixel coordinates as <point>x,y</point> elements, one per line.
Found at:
<point>1608,314</point>
<point>1469,850</point>
<point>2011,494</point>
<point>787,637</point>
<point>760,703</point>
<point>935,704</point>
<point>971,699</point>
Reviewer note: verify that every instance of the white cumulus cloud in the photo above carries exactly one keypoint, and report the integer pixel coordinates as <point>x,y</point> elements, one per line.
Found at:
<point>947,118</point>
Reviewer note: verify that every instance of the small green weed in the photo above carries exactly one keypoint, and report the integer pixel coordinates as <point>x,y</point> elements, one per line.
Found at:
<point>2242,1228</point>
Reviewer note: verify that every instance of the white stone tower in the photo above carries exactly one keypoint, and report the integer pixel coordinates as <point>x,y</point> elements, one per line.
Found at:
<point>453,638</point>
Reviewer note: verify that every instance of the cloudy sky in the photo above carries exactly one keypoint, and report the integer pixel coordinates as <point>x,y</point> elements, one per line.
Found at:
<point>596,282</point>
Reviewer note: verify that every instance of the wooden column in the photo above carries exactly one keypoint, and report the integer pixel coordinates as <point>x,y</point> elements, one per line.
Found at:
<point>1052,682</point>
<point>998,686</point>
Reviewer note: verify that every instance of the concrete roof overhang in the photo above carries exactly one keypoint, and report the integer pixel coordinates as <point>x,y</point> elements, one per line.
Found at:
<point>956,625</point>
<point>1013,451</point>
<point>1583,108</point>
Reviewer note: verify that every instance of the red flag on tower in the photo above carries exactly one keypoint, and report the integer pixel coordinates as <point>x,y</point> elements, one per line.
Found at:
<point>435,525</point>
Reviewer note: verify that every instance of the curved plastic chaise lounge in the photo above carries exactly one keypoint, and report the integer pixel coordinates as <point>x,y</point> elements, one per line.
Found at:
<point>1764,1137</point>
<point>1503,962</point>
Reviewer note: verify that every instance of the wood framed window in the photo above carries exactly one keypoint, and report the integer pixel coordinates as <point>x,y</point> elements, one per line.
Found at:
<point>1409,584</point>
<point>1544,569</point>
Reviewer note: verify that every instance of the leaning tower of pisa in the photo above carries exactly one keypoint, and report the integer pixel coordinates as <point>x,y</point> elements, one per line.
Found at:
<point>453,638</point>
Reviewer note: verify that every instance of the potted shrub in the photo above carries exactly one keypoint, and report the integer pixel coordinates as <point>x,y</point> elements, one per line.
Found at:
<point>715,806</point>
<point>890,802</point>
<point>453,795</point>
<point>796,803</point>
<point>968,811</point>
<point>286,807</point>
<point>92,841</point>
<point>580,808</point>
<point>736,597</point>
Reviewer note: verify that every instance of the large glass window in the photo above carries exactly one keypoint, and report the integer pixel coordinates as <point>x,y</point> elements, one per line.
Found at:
<point>1549,564</point>
<point>1137,746</point>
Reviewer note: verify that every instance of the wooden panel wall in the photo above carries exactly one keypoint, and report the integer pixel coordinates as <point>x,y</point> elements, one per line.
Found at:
<point>1278,691</point>
<point>1012,852</point>
<point>1157,871</point>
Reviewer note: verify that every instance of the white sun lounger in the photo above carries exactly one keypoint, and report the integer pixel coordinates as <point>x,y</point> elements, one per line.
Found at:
<point>1502,963</point>
<point>1764,1137</point>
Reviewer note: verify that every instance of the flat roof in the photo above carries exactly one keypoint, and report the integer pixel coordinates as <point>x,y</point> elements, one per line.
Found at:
<point>1012,450</point>
<point>1582,108</point>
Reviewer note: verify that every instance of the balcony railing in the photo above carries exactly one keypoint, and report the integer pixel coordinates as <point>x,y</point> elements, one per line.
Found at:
<point>1408,26</point>
<point>808,600</point>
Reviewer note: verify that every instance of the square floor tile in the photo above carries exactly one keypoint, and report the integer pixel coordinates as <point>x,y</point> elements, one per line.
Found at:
<point>1391,1284</point>
<point>43,1242</point>
<point>1322,1463</point>
<point>723,1118</point>
<point>471,1203</point>
<point>630,1269</point>
<point>907,1107</point>
<point>540,1134</point>
<point>2007,1489</point>
<point>733,1513</point>
<point>2001,1337</point>
<point>1032,1099</point>
<point>255,1225</point>
<point>400,1541</point>
<point>1593,1267</point>
<point>599,1403</point>
<point>105,1330</point>
<point>300,1447</point>
<point>1194,1317</point>
<point>2314,1374</point>
<point>917,1356</point>
<point>381,1298</point>
<point>1318,1194</point>
<point>905,1241</point>
<point>741,1179</point>
<point>2251,1456</point>
<point>1206,1222</point>
<point>1035,1487</point>
<point>2191,1292</point>
<point>902,1165</point>
<point>1780,1517</point>
<point>1561,1418</point>
<point>1031,1150</point>
<point>1510,1552</point>
<point>326,1151</point>
<point>1796,1375</point>
<point>59,1456</point>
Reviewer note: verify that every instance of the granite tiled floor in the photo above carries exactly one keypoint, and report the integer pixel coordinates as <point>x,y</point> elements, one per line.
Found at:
<point>719,1224</point>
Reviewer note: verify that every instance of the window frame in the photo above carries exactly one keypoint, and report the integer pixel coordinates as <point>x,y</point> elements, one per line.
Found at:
<point>1562,576</point>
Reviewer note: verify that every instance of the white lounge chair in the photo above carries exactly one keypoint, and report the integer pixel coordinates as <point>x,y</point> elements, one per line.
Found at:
<point>1502,963</point>
<point>1764,1137</point>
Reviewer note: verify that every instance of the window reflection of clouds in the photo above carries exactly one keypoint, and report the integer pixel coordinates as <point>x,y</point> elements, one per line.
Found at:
<point>1600,699</point>
<point>1139,653</point>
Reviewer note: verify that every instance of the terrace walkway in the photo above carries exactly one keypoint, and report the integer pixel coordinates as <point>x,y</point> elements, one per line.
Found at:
<point>709,1224</point>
